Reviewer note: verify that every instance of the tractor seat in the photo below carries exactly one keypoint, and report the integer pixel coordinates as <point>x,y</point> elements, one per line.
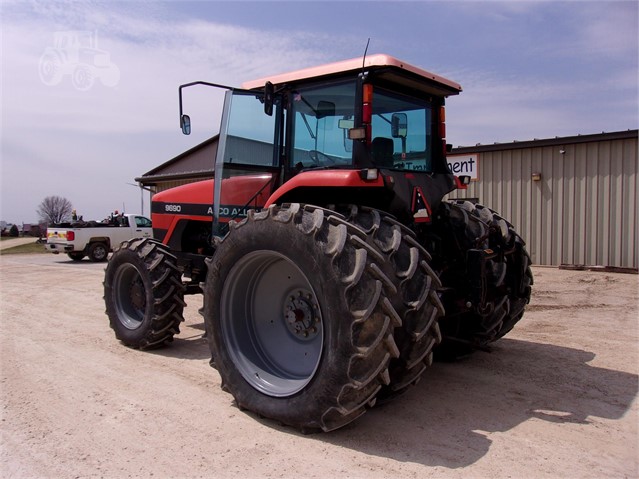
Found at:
<point>382,151</point>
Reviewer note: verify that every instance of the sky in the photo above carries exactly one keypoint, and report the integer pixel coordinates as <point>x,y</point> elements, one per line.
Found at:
<point>536,69</point>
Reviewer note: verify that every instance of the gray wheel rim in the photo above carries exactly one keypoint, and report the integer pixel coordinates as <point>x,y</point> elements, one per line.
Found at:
<point>129,296</point>
<point>100,252</point>
<point>271,323</point>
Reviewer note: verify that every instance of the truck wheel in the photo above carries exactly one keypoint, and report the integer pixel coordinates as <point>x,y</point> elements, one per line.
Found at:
<point>462,226</point>
<point>76,256</point>
<point>300,324</point>
<point>98,252</point>
<point>144,294</point>
<point>417,301</point>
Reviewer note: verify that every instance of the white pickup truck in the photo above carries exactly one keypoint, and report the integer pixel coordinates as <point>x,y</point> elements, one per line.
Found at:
<point>96,239</point>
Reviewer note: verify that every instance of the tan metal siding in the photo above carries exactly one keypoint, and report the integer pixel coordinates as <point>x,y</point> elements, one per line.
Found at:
<point>629,203</point>
<point>581,189</point>
<point>582,211</point>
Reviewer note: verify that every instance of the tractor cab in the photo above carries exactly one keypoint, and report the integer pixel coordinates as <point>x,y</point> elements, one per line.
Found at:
<point>379,118</point>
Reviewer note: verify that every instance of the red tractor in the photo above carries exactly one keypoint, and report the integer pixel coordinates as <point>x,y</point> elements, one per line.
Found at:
<point>331,266</point>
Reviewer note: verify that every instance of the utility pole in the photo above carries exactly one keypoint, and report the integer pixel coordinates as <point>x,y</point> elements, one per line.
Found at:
<point>142,189</point>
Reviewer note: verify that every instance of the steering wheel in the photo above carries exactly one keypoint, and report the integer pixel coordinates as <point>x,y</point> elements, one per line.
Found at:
<point>318,157</point>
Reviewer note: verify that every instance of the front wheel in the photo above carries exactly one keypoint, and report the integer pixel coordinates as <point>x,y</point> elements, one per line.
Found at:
<point>301,327</point>
<point>143,294</point>
<point>98,252</point>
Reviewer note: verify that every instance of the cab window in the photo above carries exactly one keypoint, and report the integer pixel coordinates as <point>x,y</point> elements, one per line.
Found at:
<point>250,135</point>
<point>402,132</point>
<point>142,222</point>
<point>321,118</point>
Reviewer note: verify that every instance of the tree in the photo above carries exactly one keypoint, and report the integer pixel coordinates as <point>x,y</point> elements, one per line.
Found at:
<point>14,231</point>
<point>55,209</point>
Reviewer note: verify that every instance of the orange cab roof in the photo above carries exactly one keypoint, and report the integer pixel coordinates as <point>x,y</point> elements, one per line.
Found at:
<point>378,60</point>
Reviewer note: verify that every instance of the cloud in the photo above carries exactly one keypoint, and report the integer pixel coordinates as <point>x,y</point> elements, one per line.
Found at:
<point>88,144</point>
<point>497,108</point>
<point>609,28</point>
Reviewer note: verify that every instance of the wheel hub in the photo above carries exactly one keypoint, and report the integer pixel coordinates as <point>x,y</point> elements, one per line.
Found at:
<point>137,294</point>
<point>301,315</point>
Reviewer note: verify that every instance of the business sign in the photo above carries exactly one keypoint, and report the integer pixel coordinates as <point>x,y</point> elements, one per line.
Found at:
<point>464,165</point>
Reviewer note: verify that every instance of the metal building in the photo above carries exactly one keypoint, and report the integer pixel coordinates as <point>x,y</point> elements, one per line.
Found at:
<point>573,199</point>
<point>195,164</point>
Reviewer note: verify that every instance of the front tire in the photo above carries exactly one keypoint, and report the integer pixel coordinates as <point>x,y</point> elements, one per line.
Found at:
<point>144,294</point>
<point>300,325</point>
<point>98,252</point>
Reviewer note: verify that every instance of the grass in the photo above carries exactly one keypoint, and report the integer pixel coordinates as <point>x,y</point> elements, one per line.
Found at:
<point>28,248</point>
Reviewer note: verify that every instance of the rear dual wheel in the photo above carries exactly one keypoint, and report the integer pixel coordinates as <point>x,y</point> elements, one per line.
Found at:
<point>417,302</point>
<point>301,327</point>
<point>462,226</point>
<point>519,279</point>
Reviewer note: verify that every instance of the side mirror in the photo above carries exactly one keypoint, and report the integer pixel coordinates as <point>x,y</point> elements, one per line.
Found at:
<point>399,125</point>
<point>185,123</point>
<point>269,94</point>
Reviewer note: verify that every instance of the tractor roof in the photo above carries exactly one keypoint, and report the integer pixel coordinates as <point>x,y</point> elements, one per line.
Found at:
<point>372,62</point>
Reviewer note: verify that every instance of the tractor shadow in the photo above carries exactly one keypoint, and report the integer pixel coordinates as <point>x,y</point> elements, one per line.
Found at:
<point>191,342</point>
<point>447,418</point>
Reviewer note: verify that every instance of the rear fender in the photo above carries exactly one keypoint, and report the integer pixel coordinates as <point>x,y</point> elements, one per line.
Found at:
<point>326,186</point>
<point>99,239</point>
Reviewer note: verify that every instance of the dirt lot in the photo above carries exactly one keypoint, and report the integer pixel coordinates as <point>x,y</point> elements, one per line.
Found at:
<point>556,398</point>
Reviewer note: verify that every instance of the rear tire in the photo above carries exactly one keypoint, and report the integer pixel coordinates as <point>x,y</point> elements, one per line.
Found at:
<point>144,294</point>
<point>462,226</point>
<point>519,278</point>
<point>417,302</point>
<point>300,325</point>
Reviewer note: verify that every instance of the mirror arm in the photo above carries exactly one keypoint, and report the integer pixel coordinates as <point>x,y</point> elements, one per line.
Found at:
<point>214,85</point>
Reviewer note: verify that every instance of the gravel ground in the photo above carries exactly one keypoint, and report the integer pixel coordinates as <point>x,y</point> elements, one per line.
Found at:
<point>556,398</point>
